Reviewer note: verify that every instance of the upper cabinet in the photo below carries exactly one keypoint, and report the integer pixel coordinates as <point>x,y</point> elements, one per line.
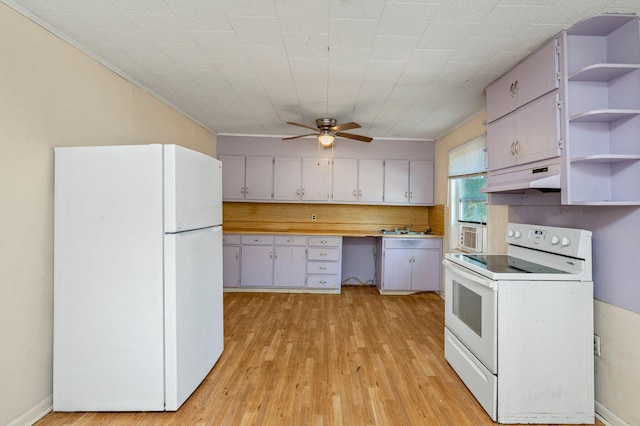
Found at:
<point>297,179</point>
<point>530,79</point>
<point>603,111</point>
<point>358,181</point>
<point>408,182</point>
<point>247,178</point>
<point>391,172</point>
<point>580,139</point>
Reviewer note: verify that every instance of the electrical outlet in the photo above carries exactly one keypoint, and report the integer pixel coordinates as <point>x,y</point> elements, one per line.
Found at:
<point>313,217</point>
<point>596,345</point>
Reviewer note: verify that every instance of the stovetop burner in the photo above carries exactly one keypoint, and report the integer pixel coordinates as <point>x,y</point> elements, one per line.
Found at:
<point>501,264</point>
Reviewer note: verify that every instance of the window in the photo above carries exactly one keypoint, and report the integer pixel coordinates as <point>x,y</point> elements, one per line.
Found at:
<point>467,175</point>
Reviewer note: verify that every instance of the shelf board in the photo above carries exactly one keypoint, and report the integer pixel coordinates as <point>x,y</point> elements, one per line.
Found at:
<point>605,203</point>
<point>602,72</point>
<point>606,158</point>
<point>604,115</point>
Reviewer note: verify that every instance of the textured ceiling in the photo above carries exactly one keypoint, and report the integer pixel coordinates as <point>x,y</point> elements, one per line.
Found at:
<point>401,69</point>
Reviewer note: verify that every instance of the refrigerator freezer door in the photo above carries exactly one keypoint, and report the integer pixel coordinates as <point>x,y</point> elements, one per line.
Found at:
<point>193,310</point>
<point>192,190</point>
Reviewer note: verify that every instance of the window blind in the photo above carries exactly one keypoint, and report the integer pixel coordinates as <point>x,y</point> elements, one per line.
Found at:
<point>469,158</point>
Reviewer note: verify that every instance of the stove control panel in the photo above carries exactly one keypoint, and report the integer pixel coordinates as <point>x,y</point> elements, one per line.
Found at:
<point>565,241</point>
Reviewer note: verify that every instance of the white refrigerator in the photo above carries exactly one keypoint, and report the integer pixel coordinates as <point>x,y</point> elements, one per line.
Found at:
<point>138,319</point>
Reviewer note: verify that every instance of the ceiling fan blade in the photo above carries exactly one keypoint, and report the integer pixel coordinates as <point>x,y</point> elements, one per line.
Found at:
<point>299,136</point>
<point>354,137</point>
<point>302,125</point>
<point>345,126</point>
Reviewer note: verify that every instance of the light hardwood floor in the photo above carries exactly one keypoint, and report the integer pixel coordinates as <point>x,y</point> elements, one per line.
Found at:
<point>357,358</point>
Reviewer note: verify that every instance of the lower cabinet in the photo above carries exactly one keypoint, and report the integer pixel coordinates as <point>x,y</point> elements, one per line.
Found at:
<point>409,264</point>
<point>324,262</point>
<point>231,260</point>
<point>282,262</point>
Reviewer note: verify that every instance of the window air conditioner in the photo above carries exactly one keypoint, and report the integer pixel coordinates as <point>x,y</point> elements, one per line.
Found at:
<point>471,238</point>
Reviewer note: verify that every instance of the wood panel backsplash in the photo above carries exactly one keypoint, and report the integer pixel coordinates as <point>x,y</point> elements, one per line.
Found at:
<point>295,217</point>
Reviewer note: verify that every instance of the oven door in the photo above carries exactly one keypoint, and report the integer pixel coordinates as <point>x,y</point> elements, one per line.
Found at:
<point>471,312</point>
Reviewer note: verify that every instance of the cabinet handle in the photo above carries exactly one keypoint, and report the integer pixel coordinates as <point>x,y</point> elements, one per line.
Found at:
<point>323,282</point>
<point>289,240</point>
<point>513,144</point>
<point>511,90</point>
<point>406,194</point>
<point>303,192</point>
<point>323,254</point>
<point>270,255</point>
<point>323,242</point>
<point>517,147</point>
<point>360,192</point>
<point>298,191</point>
<point>516,89</point>
<point>237,256</point>
<point>411,194</point>
<point>257,240</point>
<point>246,190</point>
<point>242,190</point>
<point>354,193</point>
<point>323,267</point>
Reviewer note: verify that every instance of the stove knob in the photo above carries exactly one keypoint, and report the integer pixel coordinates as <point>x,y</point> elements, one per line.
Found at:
<point>555,240</point>
<point>565,241</point>
<point>511,233</point>
<point>518,234</point>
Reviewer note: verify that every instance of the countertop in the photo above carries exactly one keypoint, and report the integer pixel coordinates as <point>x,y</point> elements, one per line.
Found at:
<point>336,232</point>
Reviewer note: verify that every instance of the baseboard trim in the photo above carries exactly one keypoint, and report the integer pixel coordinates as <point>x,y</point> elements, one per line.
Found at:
<point>607,417</point>
<point>34,414</point>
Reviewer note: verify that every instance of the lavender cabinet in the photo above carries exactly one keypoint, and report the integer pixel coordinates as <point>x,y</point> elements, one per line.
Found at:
<point>231,260</point>
<point>408,182</point>
<point>290,254</point>
<point>358,181</point>
<point>246,178</point>
<point>529,134</point>
<point>531,78</point>
<point>301,179</point>
<point>256,268</point>
<point>324,263</point>
<point>602,87</point>
<point>409,264</point>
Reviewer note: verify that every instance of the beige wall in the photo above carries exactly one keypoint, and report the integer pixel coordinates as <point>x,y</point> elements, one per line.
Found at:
<point>496,215</point>
<point>51,95</point>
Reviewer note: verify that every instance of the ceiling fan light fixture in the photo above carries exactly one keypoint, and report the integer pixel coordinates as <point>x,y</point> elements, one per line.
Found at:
<point>325,137</point>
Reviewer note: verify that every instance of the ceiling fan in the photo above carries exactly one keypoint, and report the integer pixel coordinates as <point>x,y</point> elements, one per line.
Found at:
<point>328,129</point>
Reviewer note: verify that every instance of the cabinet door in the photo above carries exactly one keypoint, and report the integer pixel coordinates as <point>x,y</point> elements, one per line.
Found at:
<point>370,181</point>
<point>501,97</point>
<point>425,270</point>
<point>286,179</point>
<point>538,130</point>
<point>421,182</point>
<point>232,177</point>
<point>397,269</point>
<point>396,181</point>
<point>315,179</point>
<point>345,180</point>
<point>231,266</point>
<point>289,266</point>
<point>538,74</point>
<point>258,178</point>
<point>501,137</point>
<point>256,266</point>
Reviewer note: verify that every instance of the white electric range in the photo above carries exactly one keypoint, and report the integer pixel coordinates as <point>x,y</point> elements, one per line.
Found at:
<point>519,327</point>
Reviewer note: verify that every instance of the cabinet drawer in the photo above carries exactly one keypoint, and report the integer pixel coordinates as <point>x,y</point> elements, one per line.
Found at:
<point>323,281</point>
<point>230,239</point>
<point>323,253</point>
<point>323,267</point>
<point>412,243</point>
<point>291,240</point>
<point>325,241</point>
<point>259,240</point>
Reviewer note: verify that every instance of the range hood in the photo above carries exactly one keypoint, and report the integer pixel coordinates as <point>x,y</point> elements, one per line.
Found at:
<point>544,178</point>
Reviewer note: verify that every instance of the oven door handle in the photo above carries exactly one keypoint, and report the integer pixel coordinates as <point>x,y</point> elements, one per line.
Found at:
<point>473,277</point>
